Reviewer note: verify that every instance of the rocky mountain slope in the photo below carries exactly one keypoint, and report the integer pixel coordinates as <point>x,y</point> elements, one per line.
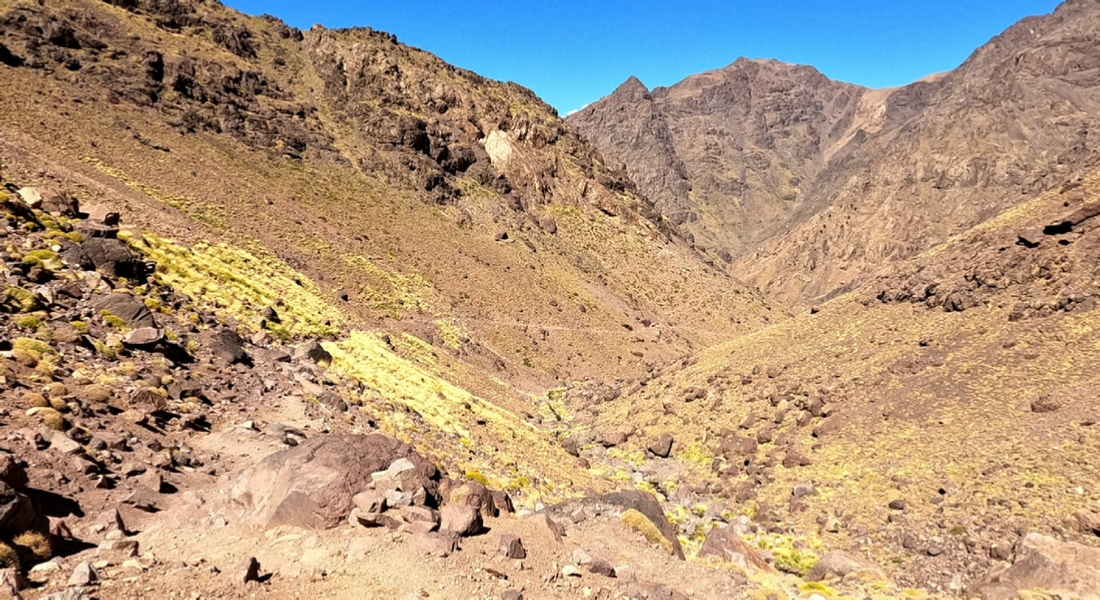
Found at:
<point>301,314</point>
<point>318,149</point>
<point>809,185</point>
<point>929,419</point>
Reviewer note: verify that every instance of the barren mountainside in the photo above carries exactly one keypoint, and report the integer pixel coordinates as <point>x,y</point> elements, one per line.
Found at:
<point>292,314</point>
<point>810,185</point>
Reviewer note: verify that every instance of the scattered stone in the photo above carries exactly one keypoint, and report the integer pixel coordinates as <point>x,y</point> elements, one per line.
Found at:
<point>795,458</point>
<point>802,489</point>
<point>897,504</point>
<point>460,520</point>
<point>109,520</point>
<point>62,444</point>
<point>555,528</point>
<point>511,595</point>
<point>593,563</point>
<point>570,571</point>
<point>83,575</point>
<point>1030,238</point>
<point>837,563</point>
<point>314,352</point>
<point>370,501</point>
<point>125,307</point>
<point>151,480</point>
<point>503,502</point>
<point>723,543</point>
<point>226,346</point>
<point>17,511</point>
<point>433,543</point>
<point>734,447</point>
<point>1045,404</point>
<point>101,214</point>
<point>76,593</point>
<point>12,582</point>
<point>831,425</point>
<point>1044,563</point>
<point>125,547</point>
<point>12,473</point>
<point>312,484</point>
<point>571,446</point>
<point>661,446</point>
<point>1088,521</point>
<point>512,547</point>
<point>248,570</point>
<point>143,336</point>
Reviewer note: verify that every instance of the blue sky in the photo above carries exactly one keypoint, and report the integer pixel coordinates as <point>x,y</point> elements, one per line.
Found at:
<point>572,52</point>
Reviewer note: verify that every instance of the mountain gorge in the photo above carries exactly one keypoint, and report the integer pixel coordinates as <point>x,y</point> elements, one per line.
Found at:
<point>295,313</point>
<point>807,185</point>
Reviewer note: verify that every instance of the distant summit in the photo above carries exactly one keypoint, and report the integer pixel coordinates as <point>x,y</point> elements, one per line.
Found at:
<point>807,185</point>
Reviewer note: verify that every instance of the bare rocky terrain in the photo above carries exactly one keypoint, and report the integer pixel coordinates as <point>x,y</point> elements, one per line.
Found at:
<point>809,185</point>
<point>296,314</point>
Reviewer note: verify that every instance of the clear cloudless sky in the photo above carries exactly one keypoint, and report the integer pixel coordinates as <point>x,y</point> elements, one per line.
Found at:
<point>572,52</point>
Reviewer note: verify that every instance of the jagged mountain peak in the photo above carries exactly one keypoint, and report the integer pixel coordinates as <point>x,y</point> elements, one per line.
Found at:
<point>811,184</point>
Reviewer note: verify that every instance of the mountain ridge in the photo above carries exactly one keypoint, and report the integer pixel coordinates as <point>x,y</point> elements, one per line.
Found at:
<point>805,244</point>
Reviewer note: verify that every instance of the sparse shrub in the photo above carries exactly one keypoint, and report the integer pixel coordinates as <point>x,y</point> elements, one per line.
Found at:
<point>9,558</point>
<point>34,399</point>
<point>38,543</point>
<point>53,419</point>
<point>59,405</point>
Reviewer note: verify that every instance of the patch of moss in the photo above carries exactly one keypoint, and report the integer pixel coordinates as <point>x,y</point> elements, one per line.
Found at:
<point>28,323</point>
<point>43,259</point>
<point>15,299</point>
<point>641,523</point>
<point>478,477</point>
<point>788,558</point>
<point>59,405</point>
<point>152,304</point>
<point>80,326</point>
<point>32,346</point>
<point>113,320</point>
<point>240,283</point>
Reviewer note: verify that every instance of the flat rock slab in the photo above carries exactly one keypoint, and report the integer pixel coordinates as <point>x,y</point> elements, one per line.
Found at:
<point>312,485</point>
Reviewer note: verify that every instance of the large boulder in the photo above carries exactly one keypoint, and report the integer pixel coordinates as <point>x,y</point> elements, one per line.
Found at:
<point>225,345</point>
<point>127,308</point>
<point>111,257</point>
<point>17,511</point>
<point>1059,569</point>
<point>312,485</point>
<point>723,543</point>
<point>647,505</point>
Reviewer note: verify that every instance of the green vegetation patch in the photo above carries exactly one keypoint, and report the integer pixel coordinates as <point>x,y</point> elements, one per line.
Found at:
<point>241,283</point>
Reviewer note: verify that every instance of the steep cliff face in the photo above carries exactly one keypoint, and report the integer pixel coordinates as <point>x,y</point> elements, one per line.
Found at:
<point>833,181</point>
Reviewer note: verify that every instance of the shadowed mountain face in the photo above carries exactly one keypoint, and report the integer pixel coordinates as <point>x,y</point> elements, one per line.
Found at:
<point>809,184</point>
